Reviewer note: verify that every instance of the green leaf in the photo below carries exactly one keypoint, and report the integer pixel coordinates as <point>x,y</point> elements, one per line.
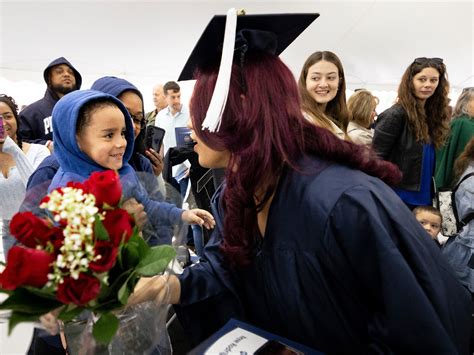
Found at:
<point>105,328</point>
<point>156,260</point>
<point>143,247</point>
<point>99,230</point>
<point>125,290</point>
<point>131,254</point>
<point>70,312</point>
<point>47,293</point>
<point>19,317</point>
<point>24,301</point>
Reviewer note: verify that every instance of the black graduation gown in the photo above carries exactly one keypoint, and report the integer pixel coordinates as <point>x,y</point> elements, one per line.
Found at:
<point>344,267</point>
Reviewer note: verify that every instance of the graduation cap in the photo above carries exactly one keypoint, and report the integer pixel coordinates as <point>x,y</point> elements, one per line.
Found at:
<point>228,36</point>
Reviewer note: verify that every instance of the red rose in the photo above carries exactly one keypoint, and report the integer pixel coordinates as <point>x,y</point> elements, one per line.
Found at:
<point>29,229</point>
<point>106,187</point>
<point>26,267</point>
<point>56,238</point>
<point>119,224</point>
<point>79,291</point>
<point>108,253</point>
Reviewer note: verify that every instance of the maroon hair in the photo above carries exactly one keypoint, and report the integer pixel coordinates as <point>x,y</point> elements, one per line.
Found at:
<point>264,131</point>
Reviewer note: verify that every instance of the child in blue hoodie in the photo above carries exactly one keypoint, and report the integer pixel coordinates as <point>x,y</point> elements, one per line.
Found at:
<point>93,132</point>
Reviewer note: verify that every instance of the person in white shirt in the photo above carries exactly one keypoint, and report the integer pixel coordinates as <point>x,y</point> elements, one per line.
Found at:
<point>18,160</point>
<point>173,116</point>
<point>159,100</point>
<point>361,106</point>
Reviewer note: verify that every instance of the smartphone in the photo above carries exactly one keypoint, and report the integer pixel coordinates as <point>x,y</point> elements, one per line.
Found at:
<point>154,138</point>
<point>2,128</point>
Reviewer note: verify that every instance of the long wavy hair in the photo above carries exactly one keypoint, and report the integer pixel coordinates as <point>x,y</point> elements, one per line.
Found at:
<point>264,131</point>
<point>461,163</point>
<point>428,122</point>
<point>336,109</point>
<point>14,107</point>
<point>462,104</point>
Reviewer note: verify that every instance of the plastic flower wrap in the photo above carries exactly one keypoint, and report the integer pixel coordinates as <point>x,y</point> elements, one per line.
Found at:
<point>86,254</point>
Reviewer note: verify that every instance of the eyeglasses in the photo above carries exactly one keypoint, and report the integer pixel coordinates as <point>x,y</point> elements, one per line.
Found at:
<point>138,120</point>
<point>423,60</point>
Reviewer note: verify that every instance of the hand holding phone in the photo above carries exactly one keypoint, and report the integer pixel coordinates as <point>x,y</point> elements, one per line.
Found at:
<point>154,137</point>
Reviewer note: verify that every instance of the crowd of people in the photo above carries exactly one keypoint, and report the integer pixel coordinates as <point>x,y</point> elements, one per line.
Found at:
<point>324,226</point>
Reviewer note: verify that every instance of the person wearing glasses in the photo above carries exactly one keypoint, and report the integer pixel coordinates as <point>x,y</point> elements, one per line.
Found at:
<point>461,131</point>
<point>407,133</point>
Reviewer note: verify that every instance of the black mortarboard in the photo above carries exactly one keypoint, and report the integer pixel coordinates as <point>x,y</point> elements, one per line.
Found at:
<point>227,36</point>
<point>268,33</point>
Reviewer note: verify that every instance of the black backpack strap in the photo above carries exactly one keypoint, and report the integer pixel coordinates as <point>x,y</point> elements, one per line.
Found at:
<point>462,223</point>
<point>465,221</point>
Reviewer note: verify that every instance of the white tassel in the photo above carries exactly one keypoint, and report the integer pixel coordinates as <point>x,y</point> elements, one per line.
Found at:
<point>213,119</point>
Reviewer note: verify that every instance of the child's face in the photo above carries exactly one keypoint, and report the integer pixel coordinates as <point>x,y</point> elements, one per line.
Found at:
<point>430,222</point>
<point>103,139</point>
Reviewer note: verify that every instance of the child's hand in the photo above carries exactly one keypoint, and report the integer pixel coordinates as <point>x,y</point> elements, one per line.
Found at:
<point>137,211</point>
<point>199,216</point>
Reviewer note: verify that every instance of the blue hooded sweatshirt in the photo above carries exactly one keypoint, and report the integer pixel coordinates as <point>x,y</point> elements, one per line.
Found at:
<point>43,175</point>
<point>35,119</point>
<point>77,166</point>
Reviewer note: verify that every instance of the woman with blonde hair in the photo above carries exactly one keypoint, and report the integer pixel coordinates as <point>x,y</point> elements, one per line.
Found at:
<point>322,89</point>
<point>461,131</point>
<point>408,132</point>
<point>361,105</point>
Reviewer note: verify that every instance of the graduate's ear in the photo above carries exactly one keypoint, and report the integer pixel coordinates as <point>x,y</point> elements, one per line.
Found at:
<point>78,140</point>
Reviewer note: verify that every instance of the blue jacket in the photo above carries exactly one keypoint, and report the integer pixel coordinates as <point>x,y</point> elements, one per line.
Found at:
<point>35,119</point>
<point>344,268</point>
<point>77,166</point>
<point>115,87</point>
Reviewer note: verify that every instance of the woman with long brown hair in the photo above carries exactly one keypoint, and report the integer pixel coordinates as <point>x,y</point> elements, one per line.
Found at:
<point>408,132</point>
<point>322,89</point>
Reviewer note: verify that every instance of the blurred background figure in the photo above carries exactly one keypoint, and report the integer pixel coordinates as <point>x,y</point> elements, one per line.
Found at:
<point>159,100</point>
<point>36,124</point>
<point>461,132</point>
<point>361,106</point>
<point>459,250</point>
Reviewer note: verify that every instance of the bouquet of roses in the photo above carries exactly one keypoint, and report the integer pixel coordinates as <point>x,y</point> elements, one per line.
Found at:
<point>86,254</point>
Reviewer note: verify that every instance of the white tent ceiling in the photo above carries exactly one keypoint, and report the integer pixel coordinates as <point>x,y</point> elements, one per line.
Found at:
<point>149,41</point>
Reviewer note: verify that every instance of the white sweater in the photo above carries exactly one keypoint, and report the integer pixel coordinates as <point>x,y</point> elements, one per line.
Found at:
<point>13,188</point>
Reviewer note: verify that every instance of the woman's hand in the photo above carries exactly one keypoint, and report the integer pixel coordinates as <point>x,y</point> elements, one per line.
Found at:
<point>156,160</point>
<point>159,289</point>
<point>137,211</point>
<point>198,216</point>
<point>49,321</point>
